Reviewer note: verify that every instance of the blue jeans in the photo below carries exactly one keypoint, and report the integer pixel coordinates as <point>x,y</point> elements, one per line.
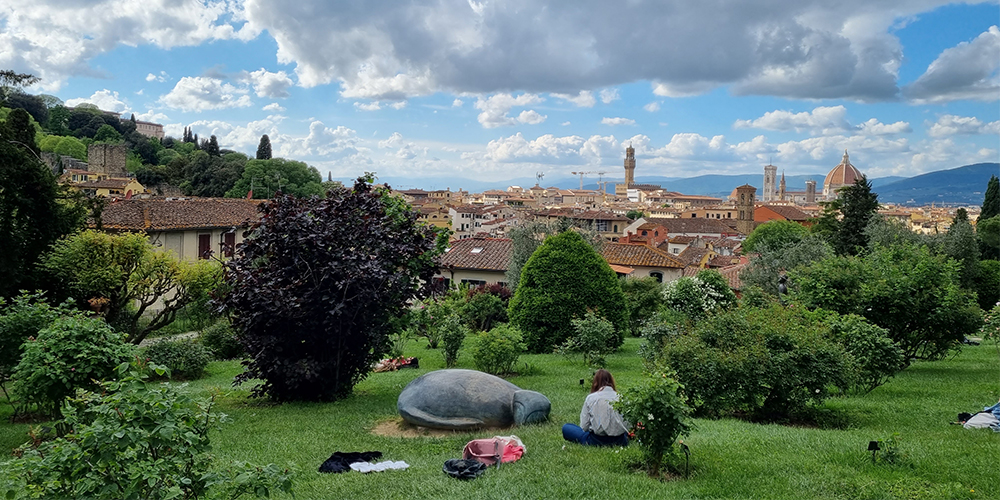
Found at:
<point>573,432</point>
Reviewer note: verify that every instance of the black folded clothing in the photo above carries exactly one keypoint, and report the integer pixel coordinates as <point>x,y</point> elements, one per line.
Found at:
<point>464,469</point>
<point>341,461</point>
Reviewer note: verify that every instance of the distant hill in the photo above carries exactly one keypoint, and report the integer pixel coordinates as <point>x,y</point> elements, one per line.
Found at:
<point>962,185</point>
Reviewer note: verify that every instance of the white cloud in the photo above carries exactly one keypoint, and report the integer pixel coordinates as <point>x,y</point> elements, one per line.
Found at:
<point>456,103</point>
<point>55,39</point>
<point>802,49</point>
<point>152,116</point>
<point>495,108</point>
<point>822,120</point>
<point>652,107</point>
<point>393,141</point>
<point>966,71</point>
<point>609,95</point>
<point>273,107</point>
<point>368,106</point>
<point>268,84</point>
<point>162,77</point>
<point>617,121</point>
<point>199,93</point>
<point>398,105</point>
<point>875,127</point>
<point>967,125</point>
<point>104,99</point>
<point>565,124</point>
<point>531,117</point>
<point>585,99</point>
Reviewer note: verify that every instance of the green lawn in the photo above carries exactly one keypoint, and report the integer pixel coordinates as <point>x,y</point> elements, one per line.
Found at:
<point>729,458</point>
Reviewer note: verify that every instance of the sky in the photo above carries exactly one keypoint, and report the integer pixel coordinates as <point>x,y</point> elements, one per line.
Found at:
<point>436,91</point>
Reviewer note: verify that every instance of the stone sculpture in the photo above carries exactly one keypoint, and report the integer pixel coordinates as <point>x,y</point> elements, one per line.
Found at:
<point>469,399</point>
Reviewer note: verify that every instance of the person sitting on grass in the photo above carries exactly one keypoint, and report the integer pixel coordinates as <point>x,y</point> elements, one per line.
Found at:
<point>600,424</point>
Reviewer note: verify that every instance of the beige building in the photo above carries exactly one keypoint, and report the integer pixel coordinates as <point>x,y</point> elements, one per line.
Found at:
<point>191,228</point>
<point>475,261</point>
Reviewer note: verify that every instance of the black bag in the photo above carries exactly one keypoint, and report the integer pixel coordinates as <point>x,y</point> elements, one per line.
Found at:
<point>463,469</point>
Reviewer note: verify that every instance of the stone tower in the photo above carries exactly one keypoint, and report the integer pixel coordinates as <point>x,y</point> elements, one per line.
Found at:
<point>810,192</point>
<point>629,166</point>
<point>781,187</point>
<point>770,176</point>
<point>745,195</point>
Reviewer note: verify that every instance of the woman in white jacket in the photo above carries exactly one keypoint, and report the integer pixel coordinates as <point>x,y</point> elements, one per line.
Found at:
<point>600,424</point>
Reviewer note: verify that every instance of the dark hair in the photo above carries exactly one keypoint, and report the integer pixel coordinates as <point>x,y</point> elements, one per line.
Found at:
<point>601,379</point>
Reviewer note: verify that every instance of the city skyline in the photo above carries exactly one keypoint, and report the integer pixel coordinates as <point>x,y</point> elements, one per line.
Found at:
<point>501,90</point>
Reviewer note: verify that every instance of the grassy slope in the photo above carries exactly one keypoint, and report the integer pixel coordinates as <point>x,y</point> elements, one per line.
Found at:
<point>730,459</point>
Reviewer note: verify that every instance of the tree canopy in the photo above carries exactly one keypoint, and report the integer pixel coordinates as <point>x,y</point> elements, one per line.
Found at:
<point>264,148</point>
<point>774,234</point>
<point>313,291</point>
<point>277,174</point>
<point>562,280</point>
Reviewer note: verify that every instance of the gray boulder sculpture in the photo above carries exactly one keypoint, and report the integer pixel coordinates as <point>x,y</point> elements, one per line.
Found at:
<point>469,399</point>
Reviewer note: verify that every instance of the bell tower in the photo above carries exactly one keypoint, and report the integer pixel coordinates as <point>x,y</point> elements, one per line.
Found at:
<point>745,195</point>
<point>629,166</point>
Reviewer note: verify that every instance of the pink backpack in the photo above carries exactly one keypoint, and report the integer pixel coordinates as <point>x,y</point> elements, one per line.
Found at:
<point>495,449</point>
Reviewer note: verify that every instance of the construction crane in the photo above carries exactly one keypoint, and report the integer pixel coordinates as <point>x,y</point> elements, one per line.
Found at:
<point>581,174</point>
<point>538,178</point>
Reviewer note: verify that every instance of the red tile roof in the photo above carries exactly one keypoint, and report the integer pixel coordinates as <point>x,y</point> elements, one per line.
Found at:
<point>693,225</point>
<point>478,253</point>
<point>191,213</point>
<point>789,213</point>
<point>638,254</point>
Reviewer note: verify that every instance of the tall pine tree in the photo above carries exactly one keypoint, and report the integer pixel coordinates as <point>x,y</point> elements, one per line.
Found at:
<point>264,148</point>
<point>857,206</point>
<point>212,148</point>
<point>991,202</point>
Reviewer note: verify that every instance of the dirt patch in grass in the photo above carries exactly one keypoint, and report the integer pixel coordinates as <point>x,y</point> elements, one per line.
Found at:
<point>397,427</point>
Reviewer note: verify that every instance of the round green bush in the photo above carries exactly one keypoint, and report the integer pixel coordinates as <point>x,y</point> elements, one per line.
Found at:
<point>186,359</point>
<point>221,340</point>
<point>71,353</point>
<point>562,280</point>
<point>497,350</point>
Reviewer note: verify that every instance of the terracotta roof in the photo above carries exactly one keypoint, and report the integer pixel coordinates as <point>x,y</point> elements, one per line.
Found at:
<point>692,255</point>
<point>723,260</point>
<point>638,254</point>
<point>490,254</point>
<point>789,213</point>
<point>693,225</point>
<point>683,240</point>
<point>731,273</point>
<point>724,243</point>
<point>621,269</point>
<point>193,213</point>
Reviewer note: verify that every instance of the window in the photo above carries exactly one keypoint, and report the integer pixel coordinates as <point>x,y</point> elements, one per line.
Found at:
<point>657,275</point>
<point>474,282</point>
<point>204,246</point>
<point>476,250</point>
<point>676,250</point>
<point>228,244</point>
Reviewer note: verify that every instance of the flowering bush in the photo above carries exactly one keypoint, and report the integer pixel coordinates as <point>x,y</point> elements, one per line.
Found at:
<point>659,412</point>
<point>697,296</point>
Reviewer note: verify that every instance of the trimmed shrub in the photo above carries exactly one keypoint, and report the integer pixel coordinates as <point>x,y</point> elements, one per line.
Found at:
<point>657,409</point>
<point>220,338</point>
<point>767,364</point>
<point>133,439</point>
<point>594,339</point>
<point>562,280</point>
<point>876,357</point>
<point>71,353</point>
<point>453,334</point>
<point>186,359</point>
<point>496,351</point>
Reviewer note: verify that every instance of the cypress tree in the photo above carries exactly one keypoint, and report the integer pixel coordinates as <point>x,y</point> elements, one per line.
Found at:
<point>264,148</point>
<point>213,147</point>
<point>857,205</point>
<point>991,202</point>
